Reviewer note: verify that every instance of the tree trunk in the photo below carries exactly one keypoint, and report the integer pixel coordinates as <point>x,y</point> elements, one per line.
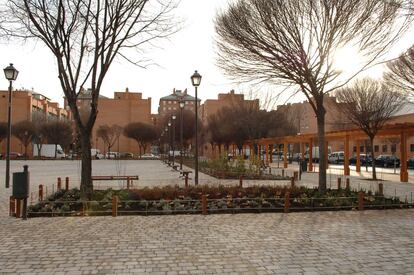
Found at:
<point>320,117</point>
<point>25,151</point>
<point>374,172</point>
<point>86,173</point>
<point>56,151</point>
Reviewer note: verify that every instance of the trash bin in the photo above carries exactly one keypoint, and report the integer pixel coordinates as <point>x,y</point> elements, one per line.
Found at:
<point>304,166</point>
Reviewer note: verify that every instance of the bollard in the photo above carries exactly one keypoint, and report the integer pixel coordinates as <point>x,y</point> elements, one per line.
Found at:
<point>67,183</point>
<point>40,192</point>
<point>339,183</point>
<point>114,206</point>
<point>12,210</point>
<point>292,182</point>
<point>287,202</point>
<point>295,175</point>
<point>283,172</point>
<point>59,184</point>
<point>381,189</point>
<point>360,201</point>
<point>241,181</point>
<point>348,185</point>
<point>204,204</point>
<point>186,179</point>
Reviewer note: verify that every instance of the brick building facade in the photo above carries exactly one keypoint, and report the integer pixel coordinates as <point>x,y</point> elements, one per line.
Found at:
<point>31,106</point>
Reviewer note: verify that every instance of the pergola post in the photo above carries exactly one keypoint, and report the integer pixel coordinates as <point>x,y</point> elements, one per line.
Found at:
<point>271,153</point>
<point>285,160</point>
<point>267,153</point>
<point>311,155</point>
<point>346,156</point>
<point>403,161</point>
<point>358,156</point>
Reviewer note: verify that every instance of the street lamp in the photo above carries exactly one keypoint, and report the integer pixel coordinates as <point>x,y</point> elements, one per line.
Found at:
<point>168,141</point>
<point>182,105</point>
<point>173,137</point>
<point>11,74</point>
<point>196,80</point>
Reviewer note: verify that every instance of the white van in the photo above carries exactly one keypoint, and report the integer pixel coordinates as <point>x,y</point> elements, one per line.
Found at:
<point>49,151</point>
<point>336,157</point>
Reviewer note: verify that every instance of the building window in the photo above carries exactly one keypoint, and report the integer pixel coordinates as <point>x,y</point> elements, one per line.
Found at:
<point>376,148</point>
<point>164,102</point>
<point>175,108</point>
<point>361,149</point>
<point>412,147</point>
<point>354,149</point>
<point>164,108</point>
<point>384,148</point>
<point>169,102</point>
<point>169,108</point>
<point>393,148</point>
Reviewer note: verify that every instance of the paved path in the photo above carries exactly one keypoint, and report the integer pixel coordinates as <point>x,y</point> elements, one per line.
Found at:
<point>369,242</point>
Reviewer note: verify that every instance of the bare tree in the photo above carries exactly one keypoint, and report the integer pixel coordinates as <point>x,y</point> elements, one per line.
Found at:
<point>142,133</point>
<point>109,134</point>
<point>400,73</point>
<point>369,104</point>
<point>24,131</point>
<point>85,37</point>
<point>293,43</point>
<point>58,133</point>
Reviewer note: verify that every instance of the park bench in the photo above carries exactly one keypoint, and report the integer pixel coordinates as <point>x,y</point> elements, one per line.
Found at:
<point>129,179</point>
<point>174,166</point>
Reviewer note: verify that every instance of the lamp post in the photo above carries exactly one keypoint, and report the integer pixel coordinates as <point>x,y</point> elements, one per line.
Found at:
<point>173,117</point>
<point>196,80</point>
<point>169,140</point>
<point>182,104</point>
<point>11,74</point>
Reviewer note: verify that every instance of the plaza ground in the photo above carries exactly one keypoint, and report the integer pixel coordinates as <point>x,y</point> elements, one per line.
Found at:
<point>347,242</point>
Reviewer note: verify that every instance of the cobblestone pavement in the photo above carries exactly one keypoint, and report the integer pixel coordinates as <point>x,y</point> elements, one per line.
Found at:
<point>368,242</point>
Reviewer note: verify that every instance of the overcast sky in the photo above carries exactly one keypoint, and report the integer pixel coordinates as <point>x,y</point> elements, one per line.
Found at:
<point>190,49</point>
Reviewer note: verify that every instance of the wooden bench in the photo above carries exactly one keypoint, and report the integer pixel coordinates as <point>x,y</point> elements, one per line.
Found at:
<point>129,179</point>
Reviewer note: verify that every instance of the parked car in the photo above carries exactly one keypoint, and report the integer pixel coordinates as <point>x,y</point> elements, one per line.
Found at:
<point>96,153</point>
<point>363,160</point>
<point>387,161</point>
<point>15,155</point>
<point>336,157</point>
<point>149,156</point>
<point>112,155</point>
<point>127,155</point>
<point>410,162</point>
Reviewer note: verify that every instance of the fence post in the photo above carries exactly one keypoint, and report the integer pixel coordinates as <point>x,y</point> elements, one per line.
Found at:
<point>287,202</point>
<point>360,201</point>
<point>59,184</point>
<point>114,206</point>
<point>18,208</point>
<point>292,182</point>
<point>270,170</point>
<point>40,192</point>
<point>241,181</point>
<point>295,175</point>
<point>381,189</point>
<point>204,204</point>
<point>12,210</point>
<point>348,185</point>
<point>67,183</point>
<point>283,172</point>
<point>339,183</point>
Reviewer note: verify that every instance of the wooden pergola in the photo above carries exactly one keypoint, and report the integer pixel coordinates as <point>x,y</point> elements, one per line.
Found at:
<point>401,130</point>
